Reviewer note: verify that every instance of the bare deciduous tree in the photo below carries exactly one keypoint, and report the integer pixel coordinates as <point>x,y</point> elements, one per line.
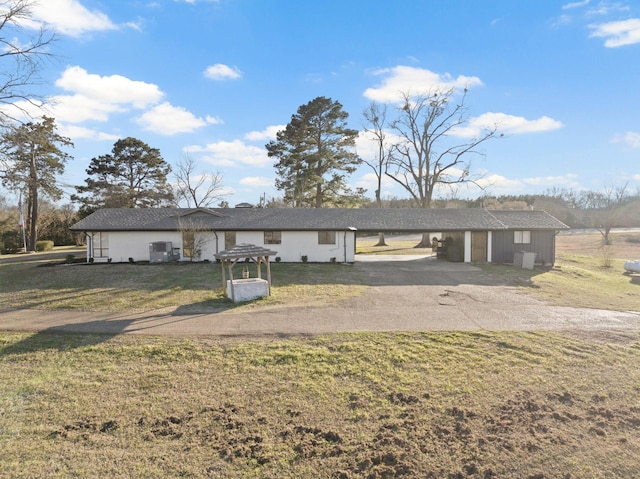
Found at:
<point>197,190</point>
<point>426,158</point>
<point>21,55</point>
<point>196,235</point>
<point>375,116</point>
<point>602,210</point>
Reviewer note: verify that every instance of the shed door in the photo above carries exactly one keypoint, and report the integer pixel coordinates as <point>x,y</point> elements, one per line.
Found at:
<point>479,246</point>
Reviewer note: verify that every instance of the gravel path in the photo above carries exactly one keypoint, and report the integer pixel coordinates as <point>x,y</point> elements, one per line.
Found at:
<point>406,294</point>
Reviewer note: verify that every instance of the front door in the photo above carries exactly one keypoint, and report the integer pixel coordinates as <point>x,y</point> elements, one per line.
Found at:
<point>479,246</point>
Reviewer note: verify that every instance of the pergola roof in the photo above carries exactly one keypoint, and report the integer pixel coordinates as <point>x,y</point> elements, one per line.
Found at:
<point>244,250</point>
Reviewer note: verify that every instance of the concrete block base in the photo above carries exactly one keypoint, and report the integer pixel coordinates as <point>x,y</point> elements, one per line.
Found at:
<point>247,289</point>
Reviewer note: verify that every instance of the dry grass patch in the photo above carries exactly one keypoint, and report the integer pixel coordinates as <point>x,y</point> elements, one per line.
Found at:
<point>403,245</point>
<point>463,405</point>
<point>41,283</point>
<point>590,275</point>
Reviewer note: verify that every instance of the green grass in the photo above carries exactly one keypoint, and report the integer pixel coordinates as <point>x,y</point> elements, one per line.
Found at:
<point>472,405</point>
<point>41,283</point>
<point>47,284</point>
<point>394,246</point>
<point>588,282</point>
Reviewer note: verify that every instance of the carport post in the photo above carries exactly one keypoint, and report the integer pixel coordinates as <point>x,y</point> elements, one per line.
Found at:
<point>467,246</point>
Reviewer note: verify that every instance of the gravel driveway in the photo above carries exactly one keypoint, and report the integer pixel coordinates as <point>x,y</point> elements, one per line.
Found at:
<point>406,293</point>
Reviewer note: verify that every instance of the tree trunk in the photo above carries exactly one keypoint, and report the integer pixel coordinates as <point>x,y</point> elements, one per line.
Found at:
<point>425,242</point>
<point>33,210</point>
<point>319,195</point>
<point>381,241</point>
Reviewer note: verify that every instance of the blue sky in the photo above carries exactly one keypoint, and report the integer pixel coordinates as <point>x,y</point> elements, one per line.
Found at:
<point>216,80</point>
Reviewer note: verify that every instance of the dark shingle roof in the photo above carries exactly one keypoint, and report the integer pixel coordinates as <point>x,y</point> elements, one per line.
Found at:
<point>283,219</point>
<point>515,220</point>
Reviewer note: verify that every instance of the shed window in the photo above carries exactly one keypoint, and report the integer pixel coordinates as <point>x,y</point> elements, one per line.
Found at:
<point>326,237</point>
<point>522,237</point>
<point>272,237</point>
<point>100,245</point>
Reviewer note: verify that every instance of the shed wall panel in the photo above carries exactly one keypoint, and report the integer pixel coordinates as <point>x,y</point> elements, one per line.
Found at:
<point>542,244</point>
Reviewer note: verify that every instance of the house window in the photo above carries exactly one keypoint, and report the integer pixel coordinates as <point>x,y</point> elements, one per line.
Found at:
<point>522,237</point>
<point>101,245</point>
<point>229,239</point>
<point>188,243</point>
<point>272,237</point>
<point>326,237</point>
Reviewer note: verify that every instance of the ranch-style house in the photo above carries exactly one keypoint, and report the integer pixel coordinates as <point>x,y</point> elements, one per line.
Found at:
<point>313,234</point>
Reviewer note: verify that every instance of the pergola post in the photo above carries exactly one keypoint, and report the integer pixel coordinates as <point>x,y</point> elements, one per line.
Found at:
<point>232,255</point>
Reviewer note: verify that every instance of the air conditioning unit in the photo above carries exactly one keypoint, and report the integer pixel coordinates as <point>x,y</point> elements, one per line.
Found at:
<point>163,252</point>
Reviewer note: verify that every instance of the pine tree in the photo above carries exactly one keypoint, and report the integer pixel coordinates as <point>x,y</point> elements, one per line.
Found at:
<point>315,153</point>
<point>134,175</point>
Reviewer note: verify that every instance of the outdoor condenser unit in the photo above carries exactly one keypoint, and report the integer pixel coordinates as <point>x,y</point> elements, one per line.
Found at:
<point>162,252</point>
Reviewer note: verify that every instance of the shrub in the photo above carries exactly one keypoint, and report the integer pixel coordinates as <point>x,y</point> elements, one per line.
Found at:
<point>10,242</point>
<point>44,245</point>
<point>305,258</point>
<point>131,260</point>
<point>607,259</point>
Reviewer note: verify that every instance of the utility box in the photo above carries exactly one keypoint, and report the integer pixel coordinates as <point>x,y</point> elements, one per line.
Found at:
<point>524,259</point>
<point>163,252</point>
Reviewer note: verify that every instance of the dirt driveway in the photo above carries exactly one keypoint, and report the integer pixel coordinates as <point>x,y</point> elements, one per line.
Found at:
<point>405,294</point>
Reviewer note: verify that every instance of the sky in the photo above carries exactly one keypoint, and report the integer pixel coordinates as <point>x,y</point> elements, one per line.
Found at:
<point>215,80</point>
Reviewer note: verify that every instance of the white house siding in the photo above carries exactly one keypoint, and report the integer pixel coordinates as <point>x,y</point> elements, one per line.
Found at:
<point>135,244</point>
<point>296,244</point>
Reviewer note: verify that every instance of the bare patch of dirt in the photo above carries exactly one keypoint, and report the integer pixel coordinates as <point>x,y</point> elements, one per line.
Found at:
<point>415,439</point>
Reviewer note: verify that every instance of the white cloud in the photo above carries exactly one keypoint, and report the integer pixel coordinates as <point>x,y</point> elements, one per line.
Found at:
<point>500,184</point>
<point>220,71</point>
<point>369,181</point>
<point>232,154</point>
<point>269,133</point>
<point>568,6</point>
<point>367,146</point>
<point>618,34</point>
<point>70,17</point>
<point>79,108</point>
<point>166,119</point>
<point>114,89</point>
<point>257,181</point>
<point>507,124</point>
<point>631,139</point>
<point>566,181</point>
<point>79,132</point>
<point>415,81</point>
<point>606,8</point>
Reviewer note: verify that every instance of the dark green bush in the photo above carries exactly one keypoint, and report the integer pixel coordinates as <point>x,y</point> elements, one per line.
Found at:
<point>10,242</point>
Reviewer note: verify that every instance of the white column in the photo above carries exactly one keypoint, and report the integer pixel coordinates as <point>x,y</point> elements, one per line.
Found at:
<point>489,241</point>
<point>467,246</point>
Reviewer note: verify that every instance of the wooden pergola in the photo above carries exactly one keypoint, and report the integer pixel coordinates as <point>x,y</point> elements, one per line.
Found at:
<point>247,253</point>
